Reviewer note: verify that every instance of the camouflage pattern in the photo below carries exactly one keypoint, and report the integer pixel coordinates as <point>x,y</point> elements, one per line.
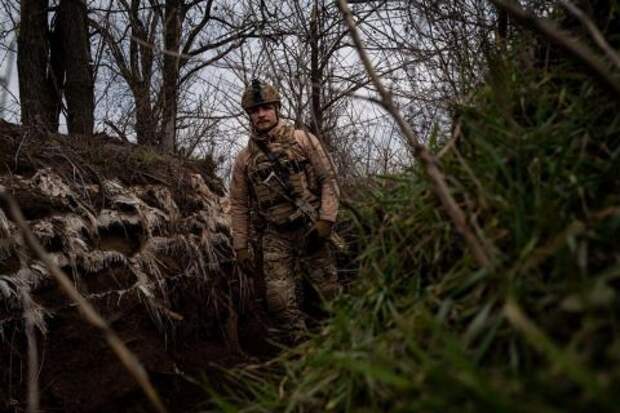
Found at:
<point>268,190</point>
<point>285,265</point>
<point>317,182</point>
<point>257,205</point>
<point>259,93</point>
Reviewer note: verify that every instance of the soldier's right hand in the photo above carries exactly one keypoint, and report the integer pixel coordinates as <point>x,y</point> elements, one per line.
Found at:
<point>318,235</point>
<point>245,260</point>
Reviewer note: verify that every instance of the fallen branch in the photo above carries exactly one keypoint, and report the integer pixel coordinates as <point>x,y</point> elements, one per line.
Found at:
<point>88,311</point>
<point>421,152</point>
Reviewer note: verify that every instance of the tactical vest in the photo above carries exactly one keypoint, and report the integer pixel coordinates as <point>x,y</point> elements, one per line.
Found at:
<point>267,188</point>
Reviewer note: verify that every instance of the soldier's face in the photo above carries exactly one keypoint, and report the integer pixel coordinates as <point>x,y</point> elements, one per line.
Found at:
<point>263,117</point>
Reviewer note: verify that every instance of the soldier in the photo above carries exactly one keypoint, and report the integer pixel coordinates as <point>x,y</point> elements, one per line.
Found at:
<point>283,185</point>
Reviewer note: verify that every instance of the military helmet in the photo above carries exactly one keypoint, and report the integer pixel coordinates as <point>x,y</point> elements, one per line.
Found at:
<point>259,93</point>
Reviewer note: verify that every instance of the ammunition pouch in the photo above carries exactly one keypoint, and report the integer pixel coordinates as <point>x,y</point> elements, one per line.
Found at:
<point>270,190</point>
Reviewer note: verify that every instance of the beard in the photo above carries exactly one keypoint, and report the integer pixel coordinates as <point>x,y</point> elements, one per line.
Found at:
<point>265,126</point>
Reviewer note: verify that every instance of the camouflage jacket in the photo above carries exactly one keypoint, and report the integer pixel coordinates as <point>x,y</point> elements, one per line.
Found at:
<point>255,187</point>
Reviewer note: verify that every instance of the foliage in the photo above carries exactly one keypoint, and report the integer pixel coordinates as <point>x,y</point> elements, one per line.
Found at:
<point>422,329</point>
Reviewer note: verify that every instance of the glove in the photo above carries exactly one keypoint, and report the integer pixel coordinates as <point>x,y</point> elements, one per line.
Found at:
<point>244,260</point>
<point>317,236</point>
<point>323,228</point>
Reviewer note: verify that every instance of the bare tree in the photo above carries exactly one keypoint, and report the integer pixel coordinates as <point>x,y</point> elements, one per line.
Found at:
<point>183,64</point>
<point>172,40</point>
<point>162,54</point>
<point>55,61</point>
<point>38,93</point>
<point>71,65</point>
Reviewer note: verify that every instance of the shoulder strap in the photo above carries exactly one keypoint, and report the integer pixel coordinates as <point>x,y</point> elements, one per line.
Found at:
<point>280,170</point>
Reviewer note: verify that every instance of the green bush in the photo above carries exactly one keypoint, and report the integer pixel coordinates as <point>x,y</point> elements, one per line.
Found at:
<point>422,328</point>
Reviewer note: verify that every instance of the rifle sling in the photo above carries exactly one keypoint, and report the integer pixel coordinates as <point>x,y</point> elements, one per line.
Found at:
<point>279,169</point>
<point>292,197</point>
<point>283,173</point>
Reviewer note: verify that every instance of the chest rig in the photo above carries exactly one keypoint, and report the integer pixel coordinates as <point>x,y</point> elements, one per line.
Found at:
<point>272,192</point>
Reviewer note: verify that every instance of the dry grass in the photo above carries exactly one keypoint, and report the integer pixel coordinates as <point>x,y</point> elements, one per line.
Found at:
<point>121,238</point>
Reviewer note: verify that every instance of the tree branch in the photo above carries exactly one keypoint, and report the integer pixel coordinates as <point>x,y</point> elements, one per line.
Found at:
<point>436,177</point>
<point>564,40</point>
<point>596,34</point>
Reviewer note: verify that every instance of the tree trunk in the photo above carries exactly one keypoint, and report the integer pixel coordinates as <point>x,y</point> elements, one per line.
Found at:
<point>172,33</point>
<point>38,96</point>
<point>316,75</point>
<point>78,88</point>
<point>145,123</point>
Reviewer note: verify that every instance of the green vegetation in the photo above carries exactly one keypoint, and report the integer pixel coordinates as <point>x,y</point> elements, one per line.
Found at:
<point>422,329</point>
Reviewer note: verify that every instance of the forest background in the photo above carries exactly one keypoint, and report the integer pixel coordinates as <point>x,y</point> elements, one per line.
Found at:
<point>485,134</point>
<point>171,74</point>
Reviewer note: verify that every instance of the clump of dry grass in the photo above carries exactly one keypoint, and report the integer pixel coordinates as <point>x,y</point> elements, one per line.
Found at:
<point>153,239</point>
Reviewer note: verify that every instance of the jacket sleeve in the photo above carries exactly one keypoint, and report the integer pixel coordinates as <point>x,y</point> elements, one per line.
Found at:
<point>239,203</point>
<point>326,176</point>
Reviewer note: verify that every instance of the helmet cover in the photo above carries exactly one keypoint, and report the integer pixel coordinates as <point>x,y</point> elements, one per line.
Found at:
<point>259,93</point>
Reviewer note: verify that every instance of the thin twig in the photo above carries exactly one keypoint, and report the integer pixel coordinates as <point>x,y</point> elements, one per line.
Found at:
<point>562,39</point>
<point>33,355</point>
<point>120,133</point>
<point>456,135</point>
<point>127,358</point>
<point>429,162</point>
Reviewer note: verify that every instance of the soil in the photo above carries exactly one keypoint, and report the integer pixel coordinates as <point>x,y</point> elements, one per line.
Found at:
<point>120,220</point>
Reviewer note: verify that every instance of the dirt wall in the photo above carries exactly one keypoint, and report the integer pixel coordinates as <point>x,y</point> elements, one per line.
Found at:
<point>145,238</point>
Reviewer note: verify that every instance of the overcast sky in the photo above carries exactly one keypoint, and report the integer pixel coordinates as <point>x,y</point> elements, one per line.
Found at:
<point>8,93</point>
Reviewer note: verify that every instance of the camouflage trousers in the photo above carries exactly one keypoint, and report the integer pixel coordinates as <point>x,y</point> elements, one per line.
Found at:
<point>285,264</point>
